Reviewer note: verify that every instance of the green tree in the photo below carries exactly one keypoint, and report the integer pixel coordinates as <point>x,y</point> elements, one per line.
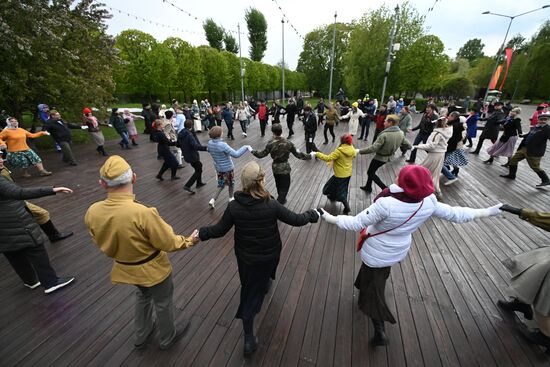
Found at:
<point>214,70</point>
<point>518,43</point>
<point>214,34</point>
<point>56,53</point>
<point>471,50</point>
<point>423,65</point>
<point>189,78</point>
<point>481,72</point>
<point>314,60</point>
<point>365,59</point>
<point>257,33</point>
<point>233,70</point>
<point>456,86</point>
<point>230,43</point>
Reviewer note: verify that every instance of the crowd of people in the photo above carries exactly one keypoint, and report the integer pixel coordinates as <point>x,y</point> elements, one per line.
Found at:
<point>140,257</point>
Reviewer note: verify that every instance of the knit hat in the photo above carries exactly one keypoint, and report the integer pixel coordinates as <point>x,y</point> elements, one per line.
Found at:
<point>113,167</point>
<point>416,182</point>
<point>355,104</point>
<point>252,172</point>
<point>86,111</point>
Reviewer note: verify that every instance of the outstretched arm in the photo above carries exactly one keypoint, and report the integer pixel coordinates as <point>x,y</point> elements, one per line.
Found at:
<point>9,190</point>
<point>373,214</point>
<point>459,214</point>
<point>235,153</point>
<point>219,229</point>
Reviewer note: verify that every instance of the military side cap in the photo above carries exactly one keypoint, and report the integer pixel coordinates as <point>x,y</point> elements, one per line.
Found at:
<point>113,167</point>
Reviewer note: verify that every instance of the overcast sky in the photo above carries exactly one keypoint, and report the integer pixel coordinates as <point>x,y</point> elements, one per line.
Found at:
<point>453,21</point>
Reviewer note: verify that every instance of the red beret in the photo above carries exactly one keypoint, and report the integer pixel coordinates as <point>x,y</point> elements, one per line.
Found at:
<point>416,181</point>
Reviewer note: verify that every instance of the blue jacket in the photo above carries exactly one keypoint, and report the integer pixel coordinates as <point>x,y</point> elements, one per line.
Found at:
<point>190,146</point>
<point>228,115</point>
<point>221,154</point>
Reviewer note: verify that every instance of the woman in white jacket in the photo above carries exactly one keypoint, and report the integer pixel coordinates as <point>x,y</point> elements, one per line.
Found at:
<point>436,146</point>
<point>395,214</point>
<point>354,115</point>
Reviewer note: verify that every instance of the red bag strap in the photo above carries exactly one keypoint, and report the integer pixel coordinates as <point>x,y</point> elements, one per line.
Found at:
<point>405,222</point>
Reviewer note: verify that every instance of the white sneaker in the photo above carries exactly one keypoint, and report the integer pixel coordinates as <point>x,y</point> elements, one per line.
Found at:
<point>32,286</point>
<point>212,202</point>
<point>61,282</point>
<point>450,182</point>
<point>231,199</point>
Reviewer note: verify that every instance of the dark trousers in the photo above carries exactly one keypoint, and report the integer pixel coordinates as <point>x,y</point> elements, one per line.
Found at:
<point>482,138</point>
<point>421,137</point>
<point>365,124</point>
<point>67,152</point>
<point>371,173</point>
<point>230,130</point>
<point>32,264</point>
<point>243,126</point>
<point>329,128</point>
<point>376,133</point>
<point>320,119</point>
<point>160,295</point>
<point>263,124</point>
<point>290,124</point>
<point>310,143</point>
<point>170,162</point>
<point>282,183</point>
<point>197,175</point>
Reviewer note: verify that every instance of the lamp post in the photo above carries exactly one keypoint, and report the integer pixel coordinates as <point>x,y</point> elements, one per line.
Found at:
<point>511,17</point>
<point>241,62</point>
<point>391,48</point>
<point>332,60</point>
<point>283,62</point>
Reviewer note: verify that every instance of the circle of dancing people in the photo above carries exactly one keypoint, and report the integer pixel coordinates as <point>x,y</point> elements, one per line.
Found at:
<point>385,227</point>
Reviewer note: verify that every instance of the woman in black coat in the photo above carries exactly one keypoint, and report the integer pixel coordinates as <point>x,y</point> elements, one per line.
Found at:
<point>257,242</point>
<point>163,150</point>
<point>505,146</point>
<point>22,240</point>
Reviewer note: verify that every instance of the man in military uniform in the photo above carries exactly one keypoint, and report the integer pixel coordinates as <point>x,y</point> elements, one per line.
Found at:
<point>41,215</point>
<point>280,148</point>
<point>492,127</point>
<point>137,239</point>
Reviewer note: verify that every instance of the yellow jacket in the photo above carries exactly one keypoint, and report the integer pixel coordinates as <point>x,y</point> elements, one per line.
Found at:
<point>342,159</point>
<point>130,232</point>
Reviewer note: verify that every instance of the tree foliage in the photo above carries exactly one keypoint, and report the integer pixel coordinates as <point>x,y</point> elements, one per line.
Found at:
<point>56,53</point>
<point>315,58</point>
<point>471,50</point>
<point>230,43</point>
<point>214,34</point>
<point>257,33</point>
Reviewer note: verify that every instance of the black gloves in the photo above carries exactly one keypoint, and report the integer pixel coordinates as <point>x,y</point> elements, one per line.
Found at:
<point>511,209</point>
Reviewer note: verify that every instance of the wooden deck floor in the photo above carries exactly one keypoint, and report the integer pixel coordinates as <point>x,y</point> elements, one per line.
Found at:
<point>443,293</point>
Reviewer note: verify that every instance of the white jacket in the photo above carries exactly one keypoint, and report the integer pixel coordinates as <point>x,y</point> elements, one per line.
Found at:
<point>387,212</point>
<point>353,120</point>
<point>437,141</point>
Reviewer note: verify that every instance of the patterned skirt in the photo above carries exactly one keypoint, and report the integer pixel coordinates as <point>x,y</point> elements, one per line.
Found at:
<point>226,179</point>
<point>23,159</point>
<point>457,158</point>
<point>506,149</point>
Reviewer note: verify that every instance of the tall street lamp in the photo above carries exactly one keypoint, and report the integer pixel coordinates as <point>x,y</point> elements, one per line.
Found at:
<point>505,37</point>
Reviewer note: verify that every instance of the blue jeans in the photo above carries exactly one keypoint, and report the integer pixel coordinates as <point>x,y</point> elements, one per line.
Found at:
<point>124,142</point>
<point>447,173</point>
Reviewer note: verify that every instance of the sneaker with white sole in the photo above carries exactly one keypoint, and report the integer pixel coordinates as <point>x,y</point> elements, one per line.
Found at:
<point>32,286</point>
<point>61,282</point>
<point>450,182</point>
<point>231,199</point>
<point>212,202</point>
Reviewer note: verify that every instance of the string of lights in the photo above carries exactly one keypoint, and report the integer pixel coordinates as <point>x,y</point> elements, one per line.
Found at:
<point>431,8</point>
<point>287,20</point>
<point>113,10</point>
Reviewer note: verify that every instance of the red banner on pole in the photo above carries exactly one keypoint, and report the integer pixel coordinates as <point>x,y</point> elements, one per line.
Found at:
<point>509,52</point>
<point>496,75</point>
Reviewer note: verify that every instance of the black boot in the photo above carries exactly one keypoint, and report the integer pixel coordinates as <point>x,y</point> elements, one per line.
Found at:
<point>250,345</point>
<point>101,150</point>
<point>545,181</point>
<point>536,337</point>
<point>516,305</point>
<point>379,338</point>
<point>489,161</point>
<point>507,164</point>
<point>512,174</point>
<point>53,234</point>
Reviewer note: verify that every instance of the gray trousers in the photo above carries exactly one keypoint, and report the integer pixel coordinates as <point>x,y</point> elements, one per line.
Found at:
<point>161,296</point>
<point>67,152</point>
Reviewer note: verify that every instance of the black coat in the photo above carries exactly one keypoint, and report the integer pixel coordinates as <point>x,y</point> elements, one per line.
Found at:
<point>310,123</point>
<point>163,147</point>
<point>492,126</point>
<point>59,129</point>
<point>458,128</point>
<point>536,140</point>
<point>291,112</point>
<point>257,238</point>
<point>190,146</point>
<point>511,128</point>
<point>18,228</point>
<point>426,126</point>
